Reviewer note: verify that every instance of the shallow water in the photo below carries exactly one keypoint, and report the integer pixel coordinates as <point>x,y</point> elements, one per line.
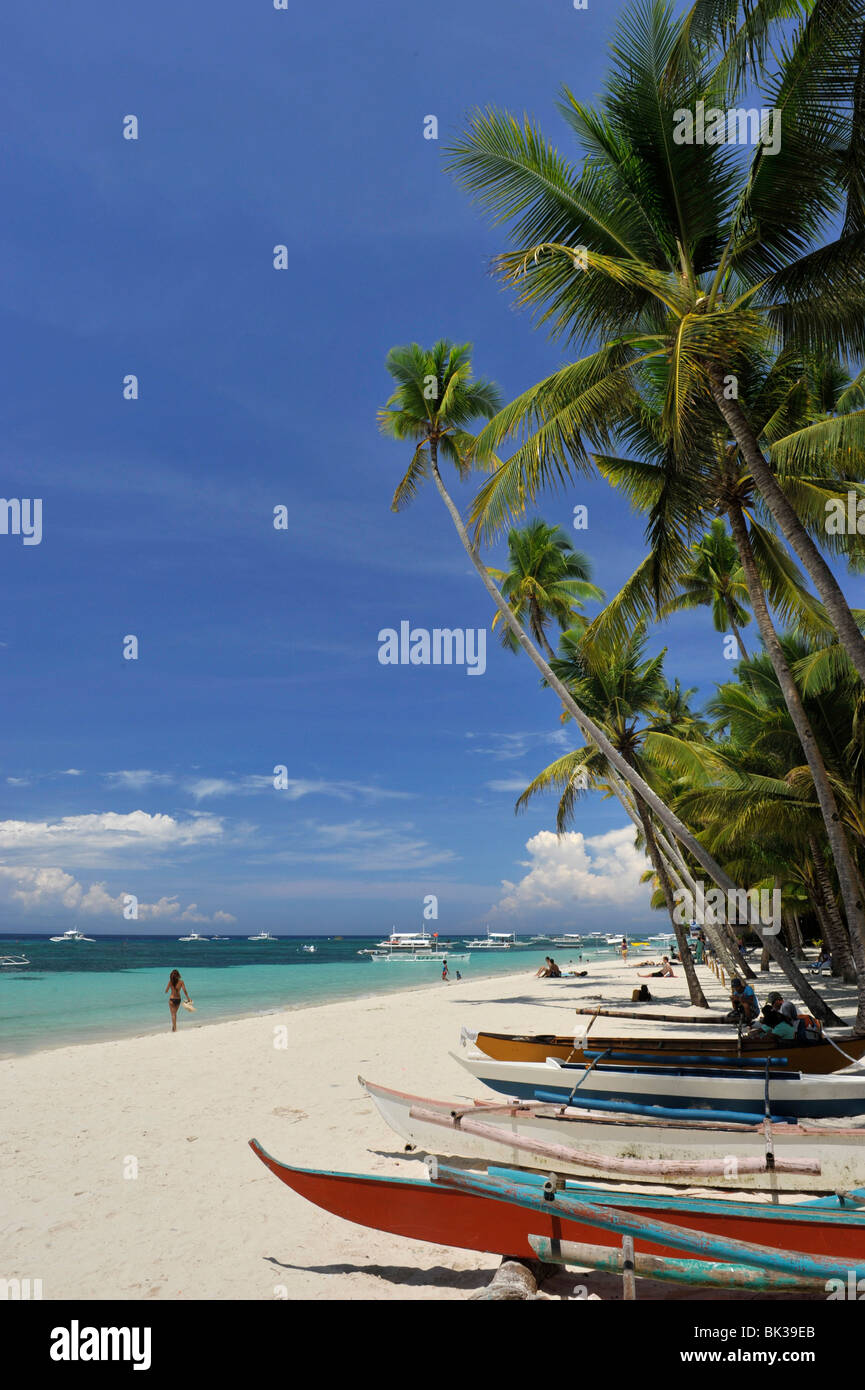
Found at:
<point>114,986</point>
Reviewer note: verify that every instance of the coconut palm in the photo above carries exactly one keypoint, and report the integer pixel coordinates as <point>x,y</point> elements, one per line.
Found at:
<point>435,399</point>
<point>622,689</point>
<point>672,254</point>
<point>547,581</point>
<point>716,581</point>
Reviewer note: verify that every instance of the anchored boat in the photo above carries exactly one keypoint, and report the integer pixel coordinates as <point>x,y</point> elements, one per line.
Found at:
<point>610,1144</point>
<point>503,1211</point>
<point>814,1058</point>
<point>722,1091</point>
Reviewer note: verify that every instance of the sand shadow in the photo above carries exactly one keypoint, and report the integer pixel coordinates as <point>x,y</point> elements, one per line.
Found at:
<point>437,1276</point>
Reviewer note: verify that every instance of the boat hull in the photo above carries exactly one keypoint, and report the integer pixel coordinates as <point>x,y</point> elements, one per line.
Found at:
<point>606,1138</point>
<point>419,1210</point>
<point>816,1059</point>
<point>672,1088</point>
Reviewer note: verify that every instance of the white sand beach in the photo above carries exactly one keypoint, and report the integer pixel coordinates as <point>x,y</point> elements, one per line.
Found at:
<point>203,1218</point>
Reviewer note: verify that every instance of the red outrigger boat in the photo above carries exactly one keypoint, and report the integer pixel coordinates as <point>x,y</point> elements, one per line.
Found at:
<point>499,1213</point>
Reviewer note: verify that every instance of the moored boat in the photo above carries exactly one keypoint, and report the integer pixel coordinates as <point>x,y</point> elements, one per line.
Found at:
<point>724,1091</point>
<point>610,1144</point>
<point>499,1212</point>
<point>816,1058</point>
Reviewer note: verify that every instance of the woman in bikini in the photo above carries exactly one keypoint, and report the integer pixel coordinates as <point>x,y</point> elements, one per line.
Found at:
<point>172,989</point>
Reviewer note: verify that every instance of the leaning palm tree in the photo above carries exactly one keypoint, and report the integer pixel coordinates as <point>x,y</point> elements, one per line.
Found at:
<point>436,398</point>
<point>546,581</point>
<point>623,690</point>
<point>715,581</point>
<point>668,250</point>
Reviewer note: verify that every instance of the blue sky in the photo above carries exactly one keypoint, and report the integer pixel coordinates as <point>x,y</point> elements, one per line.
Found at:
<point>258,388</point>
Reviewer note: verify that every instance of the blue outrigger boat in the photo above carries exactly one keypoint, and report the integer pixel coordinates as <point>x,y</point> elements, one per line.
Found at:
<point>726,1089</point>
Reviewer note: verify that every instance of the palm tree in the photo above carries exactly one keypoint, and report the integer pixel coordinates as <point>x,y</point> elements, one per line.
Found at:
<point>716,581</point>
<point>671,253</point>
<point>436,398</point>
<point>547,581</point>
<point>622,689</point>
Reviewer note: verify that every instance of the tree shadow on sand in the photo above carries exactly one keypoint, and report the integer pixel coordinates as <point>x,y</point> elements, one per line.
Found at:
<point>436,1276</point>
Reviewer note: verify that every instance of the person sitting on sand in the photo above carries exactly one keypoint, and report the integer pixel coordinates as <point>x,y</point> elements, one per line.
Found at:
<point>172,989</point>
<point>544,971</point>
<point>666,970</point>
<point>555,972</point>
<point>744,1001</point>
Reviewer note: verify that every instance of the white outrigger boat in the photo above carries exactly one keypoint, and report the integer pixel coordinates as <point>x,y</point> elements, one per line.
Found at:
<point>193,936</point>
<point>411,946</point>
<point>74,935</point>
<point>9,962</point>
<point>262,936</point>
<point>493,941</point>
<point>585,1143</point>
<point>731,1089</point>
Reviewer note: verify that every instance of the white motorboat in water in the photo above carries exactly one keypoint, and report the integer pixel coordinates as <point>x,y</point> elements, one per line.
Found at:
<point>193,936</point>
<point>74,935</point>
<point>407,941</point>
<point>262,936</point>
<point>493,941</point>
<point>9,962</point>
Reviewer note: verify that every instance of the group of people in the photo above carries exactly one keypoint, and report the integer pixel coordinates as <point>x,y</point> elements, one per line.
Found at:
<point>779,1018</point>
<point>549,970</point>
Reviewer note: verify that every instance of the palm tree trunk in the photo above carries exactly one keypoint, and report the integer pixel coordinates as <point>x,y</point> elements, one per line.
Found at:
<point>718,933</point>
<point>834,930</point>
<point>853,906</point>
<point>805,990</point>
<point>695,991</point>
<point>736,633</point>
<point>590,730</point>
<point>794,532</point>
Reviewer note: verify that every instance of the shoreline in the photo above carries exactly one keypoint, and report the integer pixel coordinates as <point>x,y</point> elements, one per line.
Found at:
<point>110,1035</point>
<point>129,1176</point>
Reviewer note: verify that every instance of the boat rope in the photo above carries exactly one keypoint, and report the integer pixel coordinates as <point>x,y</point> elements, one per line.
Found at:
<point>594,1062</point>
<point>854,1061</point>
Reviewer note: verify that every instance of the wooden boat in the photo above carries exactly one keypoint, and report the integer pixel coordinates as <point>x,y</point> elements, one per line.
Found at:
<point>501,1212</point>
<point>725,1092</point>
<point>609,1145</point>
<point>812,1058</point>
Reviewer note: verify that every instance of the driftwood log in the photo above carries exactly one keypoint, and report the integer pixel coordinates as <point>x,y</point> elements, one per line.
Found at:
<point>516,1278</point>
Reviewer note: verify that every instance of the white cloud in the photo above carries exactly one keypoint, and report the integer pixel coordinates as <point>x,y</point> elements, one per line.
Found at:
<point>98,833</point>
<point>564,871</point>
<point>52,888</point>
<point>507,747</point>
<point>509,784</point>
<point>137,778</point>
<point>362,845</point>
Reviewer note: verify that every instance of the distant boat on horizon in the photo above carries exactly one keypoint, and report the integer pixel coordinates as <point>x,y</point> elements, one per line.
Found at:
<point>73,935</point>
<point>262,936</point>
<point>193,936</point>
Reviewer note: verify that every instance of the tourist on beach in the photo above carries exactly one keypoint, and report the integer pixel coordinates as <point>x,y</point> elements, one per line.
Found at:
<point>544,971</point>
<point>744,1001</point>
<point>444,970</point>
<point>624,950</point>
<point>555,972</point>
<point>666,970</point>
<point>173,989</point>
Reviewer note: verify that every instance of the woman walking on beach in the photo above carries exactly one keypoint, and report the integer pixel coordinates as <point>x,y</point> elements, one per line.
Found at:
<point>172,989</point>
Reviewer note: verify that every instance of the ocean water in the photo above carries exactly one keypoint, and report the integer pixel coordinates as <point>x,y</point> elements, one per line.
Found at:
<point>114,986</point>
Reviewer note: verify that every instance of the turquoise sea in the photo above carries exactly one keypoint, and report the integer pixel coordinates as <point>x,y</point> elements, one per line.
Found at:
<point>113,986</point>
